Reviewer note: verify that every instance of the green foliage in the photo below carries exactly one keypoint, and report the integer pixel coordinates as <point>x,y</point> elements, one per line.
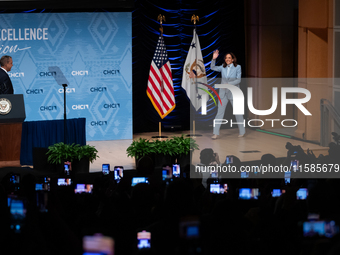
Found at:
<point>140,148</point>
<point>87,151</point>
<point>184,145</point>
<point>172,147</point>
<point>60,152</point>
<point>164,147</point>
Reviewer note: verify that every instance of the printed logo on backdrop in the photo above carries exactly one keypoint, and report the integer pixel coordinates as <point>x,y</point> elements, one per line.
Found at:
<point>123,74</point>
<point>103,110</point>
<point>103,30</point>
<point>52,108</point>
<point>79,70</point>
<point>57,30</point>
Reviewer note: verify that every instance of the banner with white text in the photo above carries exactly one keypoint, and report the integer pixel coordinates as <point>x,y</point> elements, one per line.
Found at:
<point>93,51</point>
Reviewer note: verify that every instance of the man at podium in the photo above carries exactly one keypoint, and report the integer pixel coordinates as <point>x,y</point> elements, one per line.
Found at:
<point>6,63</point>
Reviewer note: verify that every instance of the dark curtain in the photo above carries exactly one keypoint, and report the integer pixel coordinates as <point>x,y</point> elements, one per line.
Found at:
<point>42,134</point>
<point>220,26</point>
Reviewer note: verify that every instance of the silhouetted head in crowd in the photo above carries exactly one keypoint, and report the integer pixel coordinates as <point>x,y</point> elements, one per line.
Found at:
<point>268,159</point>
<point>145,166</point>
<point>334,152</point>
<point>207,156</point>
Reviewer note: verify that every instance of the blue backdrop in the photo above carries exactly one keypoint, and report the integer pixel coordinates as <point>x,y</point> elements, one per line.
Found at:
<point>93,51</point>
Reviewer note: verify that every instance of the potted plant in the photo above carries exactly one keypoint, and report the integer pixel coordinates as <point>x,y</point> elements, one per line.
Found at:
<point>184,149</point>
<point>139,148</point>
<point>163,151</point>
<point>84,155</point>
<point>60,153</point>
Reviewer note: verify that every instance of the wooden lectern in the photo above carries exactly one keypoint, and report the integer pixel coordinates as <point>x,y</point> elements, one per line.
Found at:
<point>12,114</point>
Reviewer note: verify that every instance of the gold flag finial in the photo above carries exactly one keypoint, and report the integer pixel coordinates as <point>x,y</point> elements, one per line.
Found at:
<point>161,18</point>
<point>194,18</point>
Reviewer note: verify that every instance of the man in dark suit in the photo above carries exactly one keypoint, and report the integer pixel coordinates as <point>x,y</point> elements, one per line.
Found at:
<point>6,64</point>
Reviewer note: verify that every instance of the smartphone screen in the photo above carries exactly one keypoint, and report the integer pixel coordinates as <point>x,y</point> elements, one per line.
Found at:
<point>229,160</point>
<point>218,188</point>
<point>320,228</point>
<point>83,188</point>
<point>136,180</point>
<point>166,172</point>
<point>9,199</point>
<point>17,214</point>
<point>189,228</point>
<point>277,192</point>
<point>302,194</point>
<point>67,167</point>
<point>176,170</point>
<point>98,245</point>
<point>287,177</point>
<point>244,174</point>
<point>15,179</point>
<point>64,181</point>
<point>42,186</point>
<point>247,194</point>
<point>144,240</point>
<point>106,169</point>
<point>294,165</point>
<point>118,173</point>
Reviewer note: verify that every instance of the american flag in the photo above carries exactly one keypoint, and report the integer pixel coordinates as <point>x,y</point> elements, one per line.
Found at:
<point>160,88</point>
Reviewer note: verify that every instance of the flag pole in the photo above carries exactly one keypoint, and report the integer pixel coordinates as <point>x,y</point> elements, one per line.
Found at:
<point>195,18</point>
<point>160,18</point>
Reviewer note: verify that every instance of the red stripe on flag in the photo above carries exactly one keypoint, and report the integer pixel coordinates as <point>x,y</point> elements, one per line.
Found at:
<point>160,87</point>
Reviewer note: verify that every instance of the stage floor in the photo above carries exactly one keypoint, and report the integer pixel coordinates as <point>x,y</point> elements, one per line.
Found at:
<point>248,148</point>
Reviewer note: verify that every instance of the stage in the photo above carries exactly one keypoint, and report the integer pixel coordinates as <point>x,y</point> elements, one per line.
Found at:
<point>248,148</point>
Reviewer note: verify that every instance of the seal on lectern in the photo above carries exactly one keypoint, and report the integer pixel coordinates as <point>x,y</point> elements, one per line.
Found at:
<point>5,106</point>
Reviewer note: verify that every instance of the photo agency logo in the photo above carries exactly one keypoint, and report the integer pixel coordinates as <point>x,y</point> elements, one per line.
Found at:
<point>238,105</point>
